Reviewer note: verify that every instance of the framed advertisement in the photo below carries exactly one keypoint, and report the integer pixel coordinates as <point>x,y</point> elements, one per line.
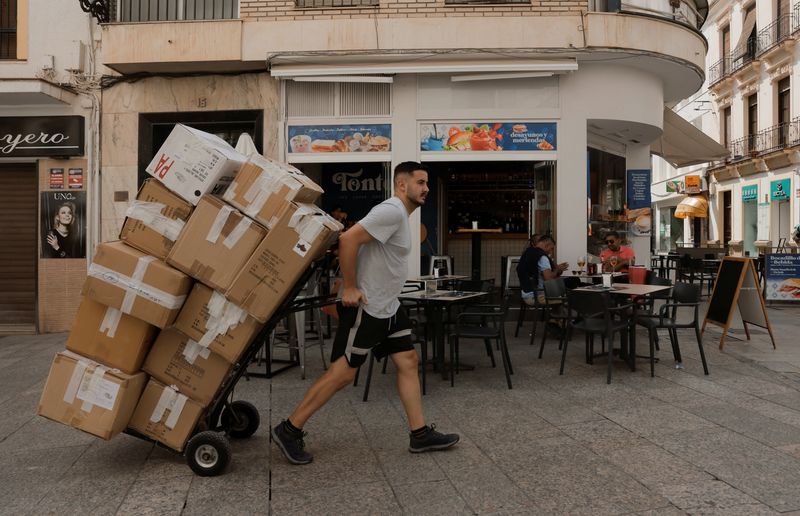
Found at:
<point>63,224</point>
<point>487,137</point>
<point>783,277</point>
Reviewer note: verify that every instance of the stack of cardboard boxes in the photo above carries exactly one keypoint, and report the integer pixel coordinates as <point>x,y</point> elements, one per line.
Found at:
<point>210,248</point>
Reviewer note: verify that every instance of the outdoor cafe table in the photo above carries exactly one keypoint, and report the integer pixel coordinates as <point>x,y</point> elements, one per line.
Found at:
<point>433,303</point>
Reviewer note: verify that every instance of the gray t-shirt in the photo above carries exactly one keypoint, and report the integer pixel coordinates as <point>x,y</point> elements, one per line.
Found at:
<point>382,266</point>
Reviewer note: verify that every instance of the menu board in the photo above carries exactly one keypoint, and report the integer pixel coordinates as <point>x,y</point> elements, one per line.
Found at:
<point>639,213</point>
<point>783,277</point>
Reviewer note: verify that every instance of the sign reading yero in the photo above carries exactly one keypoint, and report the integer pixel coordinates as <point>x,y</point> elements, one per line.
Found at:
<point>35,136</point>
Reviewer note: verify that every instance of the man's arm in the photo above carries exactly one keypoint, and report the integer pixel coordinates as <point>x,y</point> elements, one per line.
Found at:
<point>349,244</point>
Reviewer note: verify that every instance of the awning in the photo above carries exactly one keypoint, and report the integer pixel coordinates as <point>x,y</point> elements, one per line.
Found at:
<point>696,206</point>
<point>682,144</point>
<point>747,29</point>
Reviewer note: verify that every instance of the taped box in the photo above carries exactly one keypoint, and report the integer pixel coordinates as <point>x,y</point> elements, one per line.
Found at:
<point>88,396</point>
<point>137,284</point>
<point>215,323</point>
<point>175,359</point>
<point>166,415</point>
<point>263,187</point>
<point>215,243</point>
<point>110,337</point>
<point>192,163</point>
<point>155,219</point>
<point>302,234</point>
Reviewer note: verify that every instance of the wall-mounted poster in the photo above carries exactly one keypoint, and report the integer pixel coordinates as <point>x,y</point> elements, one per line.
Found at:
<point>692,184</point>
<point>56,178</point>
<point>488,136</point>
<point>639,212</point>
<point>783,277</point>
<point>63,224</point>
<point>674,186</point>
<point>75,178</point>
<point>312,139</point>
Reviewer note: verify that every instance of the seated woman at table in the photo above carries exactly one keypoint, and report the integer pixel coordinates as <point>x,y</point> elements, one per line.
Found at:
<point>616,257</point>
<point>535,267</point>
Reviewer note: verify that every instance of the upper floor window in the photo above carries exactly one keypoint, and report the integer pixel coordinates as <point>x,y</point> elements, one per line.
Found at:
<point>784,101</point>
<point>752,114</point>
<point>726,127</point>
<point>8,29</point>
<point>172,10</point>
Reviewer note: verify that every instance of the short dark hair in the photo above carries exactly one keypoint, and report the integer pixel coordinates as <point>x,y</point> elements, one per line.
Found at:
<point>408,167</point>
<point>546,238</point>
<point>613,234</point>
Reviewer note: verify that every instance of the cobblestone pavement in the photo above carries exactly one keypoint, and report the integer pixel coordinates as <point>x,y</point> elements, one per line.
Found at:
<point>681,442</point>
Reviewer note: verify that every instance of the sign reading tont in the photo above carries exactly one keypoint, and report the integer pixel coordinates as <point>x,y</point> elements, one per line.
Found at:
<point>488,136</point>
<point>37,136</point>
<point>308,139</point>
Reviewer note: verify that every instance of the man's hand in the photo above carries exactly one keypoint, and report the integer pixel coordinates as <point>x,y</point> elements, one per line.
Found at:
<point>563,266</point>
<point>351,296</point>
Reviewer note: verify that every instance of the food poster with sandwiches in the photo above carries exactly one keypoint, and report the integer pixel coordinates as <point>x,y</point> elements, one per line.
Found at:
<point>313,139</point>
<point>639,211</point>
<point>783,277</point>
<point>488,136</point>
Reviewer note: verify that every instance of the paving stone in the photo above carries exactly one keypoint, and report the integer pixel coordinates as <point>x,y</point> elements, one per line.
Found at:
<point>657,419</point>
<point>653,466</point>
<point>369,499</point>
<point>434,497</point>
<point>708,494</point>
<point>749,423</point>
<point>153,496</point>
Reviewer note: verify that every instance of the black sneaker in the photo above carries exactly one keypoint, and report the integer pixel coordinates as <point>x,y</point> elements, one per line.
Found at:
<point>431,441</point>
<point>292,445</point>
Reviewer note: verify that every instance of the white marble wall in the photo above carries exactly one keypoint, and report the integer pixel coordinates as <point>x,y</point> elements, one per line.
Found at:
<point>123,103</point>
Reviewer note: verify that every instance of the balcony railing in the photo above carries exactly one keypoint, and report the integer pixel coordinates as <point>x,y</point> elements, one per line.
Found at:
<point>743,54</point>
<point>173,10</point>
<point>334,4</point>
<point>779,136</point>
<point>719,70</point>
<point>796,18</point>
<point>775,33</point>
<point>744,148</point>
<point>681,11</point>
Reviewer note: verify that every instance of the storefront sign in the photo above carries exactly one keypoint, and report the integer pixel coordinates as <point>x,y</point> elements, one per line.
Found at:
<point>639,213</point>
<point>692,184</point>
<point>674,186</point>
<point>63,220</point>
<point>56,178</point>
<point>36,136</point>
<point>783,277</point>
<point>780,190</point>
<point>312,139</point>
<point>353,187</point>
<point>488,136</point>
<point>750,193</point>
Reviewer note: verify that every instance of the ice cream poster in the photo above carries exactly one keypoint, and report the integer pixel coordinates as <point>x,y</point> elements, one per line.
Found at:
<point>312,139</point>
<point>488,136</point>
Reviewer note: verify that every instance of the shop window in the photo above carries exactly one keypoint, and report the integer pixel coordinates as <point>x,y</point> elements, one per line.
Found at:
<point>606,199</point>
<point>726,127</point>
<point>173,10</point>
<point>8,29</point>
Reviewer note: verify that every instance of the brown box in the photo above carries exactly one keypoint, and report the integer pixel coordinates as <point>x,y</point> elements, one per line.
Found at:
<point>303,233</point>
<point>215,243</point>
<point>263,187</point>
<point>137,284</point>
<point>175,359</point>
<point>166,415</point>
<point>110,337</point>
<point>87,396</point>
<point>155,219</point>
<point>213,322</point>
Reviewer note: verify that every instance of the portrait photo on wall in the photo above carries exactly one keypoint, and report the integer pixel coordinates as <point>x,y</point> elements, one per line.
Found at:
<point>63,221</point>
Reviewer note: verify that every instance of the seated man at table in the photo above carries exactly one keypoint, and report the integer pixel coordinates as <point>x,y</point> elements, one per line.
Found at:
<point>535,267</point>
<point>616,257</point>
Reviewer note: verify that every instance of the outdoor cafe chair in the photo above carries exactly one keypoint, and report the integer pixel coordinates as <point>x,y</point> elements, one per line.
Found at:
<point>555,309</point>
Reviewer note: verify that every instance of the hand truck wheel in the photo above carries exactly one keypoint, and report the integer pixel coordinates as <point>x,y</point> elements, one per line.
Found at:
<point>208,453</point>
<point>240,419</point>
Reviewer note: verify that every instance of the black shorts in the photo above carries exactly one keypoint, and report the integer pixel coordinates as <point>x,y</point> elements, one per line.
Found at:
<point>359,332</point>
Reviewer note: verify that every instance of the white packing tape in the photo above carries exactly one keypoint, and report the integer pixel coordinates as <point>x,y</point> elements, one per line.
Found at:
<point>90,388</point>
<point>216,305</point>
<point>137,276</point>
<point>149,214</point>
<point>258,203</point>
<point>222,317</point>
<point>237,233</point>
<point>192,350</point>
<point>75,381</point>
<point>175,410</point>
<point>171,400</point>
<point>136,287</point>
<point>219,222</point>
<point>110,322</point>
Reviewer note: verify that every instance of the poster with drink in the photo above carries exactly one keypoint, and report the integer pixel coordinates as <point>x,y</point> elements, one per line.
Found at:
<point>783,277</point>
<point>488,136</point>
<point>63,224</point>
<point>312,139</point>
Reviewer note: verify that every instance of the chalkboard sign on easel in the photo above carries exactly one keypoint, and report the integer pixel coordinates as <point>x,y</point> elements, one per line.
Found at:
<point>737,285</point>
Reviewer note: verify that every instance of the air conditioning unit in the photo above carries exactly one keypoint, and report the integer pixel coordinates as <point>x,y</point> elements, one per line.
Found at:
<point>75,57</point>
<point>48,62</point>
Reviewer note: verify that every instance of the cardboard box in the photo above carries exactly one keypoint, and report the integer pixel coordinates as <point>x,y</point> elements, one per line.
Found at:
<point>263,187</point>
<point>175,359</point>
<point>192,163</point>
<point>110,337</point>
<point>302,234</point>
<point>166,415</point>
<point>155,219</point>
<point>137,284</point>
<point>86,395</point>
<point>215,243</point>
<point>215,323</point>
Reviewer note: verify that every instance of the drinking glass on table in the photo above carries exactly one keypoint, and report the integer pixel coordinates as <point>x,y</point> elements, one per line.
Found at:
<point>581,263</point>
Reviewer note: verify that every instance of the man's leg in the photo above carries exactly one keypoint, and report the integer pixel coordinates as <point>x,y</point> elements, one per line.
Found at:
<point>407,364</point>
<point>338,375</point>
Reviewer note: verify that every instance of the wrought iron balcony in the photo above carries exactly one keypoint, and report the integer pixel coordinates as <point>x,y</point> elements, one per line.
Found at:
<point>743,54</point>
<point>796,18</point>
<point>335,4</point>
<point>775,33</point>
<point>719,70</point>
<point>745,148</point>
<point>160,10</point>
<point>779,136</point>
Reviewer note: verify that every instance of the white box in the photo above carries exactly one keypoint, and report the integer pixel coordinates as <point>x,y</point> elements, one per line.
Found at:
<point>192,163</point>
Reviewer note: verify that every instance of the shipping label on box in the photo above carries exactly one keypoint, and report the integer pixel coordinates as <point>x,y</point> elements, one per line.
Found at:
<point>263,187</point>
<point>155,219</point>
<point>110,337</point>
<point>215,243</point>
<point>88,396</point>
<point>177,359</point>
<point>166,415</point>
<point>137,284</point>
<point>192,163</point>
<point>215,323</point>
<point>303,233</point>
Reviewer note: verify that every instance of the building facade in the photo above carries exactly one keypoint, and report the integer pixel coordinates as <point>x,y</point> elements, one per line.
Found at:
<point>48,162</point>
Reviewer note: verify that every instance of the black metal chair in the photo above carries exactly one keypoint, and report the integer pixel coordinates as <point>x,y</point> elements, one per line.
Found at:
<point>555,293</point>
<point>597,316</point>
<point>486,324</point>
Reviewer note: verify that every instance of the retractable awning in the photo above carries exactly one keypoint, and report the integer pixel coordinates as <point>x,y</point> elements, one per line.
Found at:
<point>695,206</point>
<point>682,144</point>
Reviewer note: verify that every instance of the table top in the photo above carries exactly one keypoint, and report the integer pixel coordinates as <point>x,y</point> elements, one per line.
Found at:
<point>496,230</point>
<point>613,275</point>
<point>445,296</point>
<point>627,289</point>
<point>449,277</point>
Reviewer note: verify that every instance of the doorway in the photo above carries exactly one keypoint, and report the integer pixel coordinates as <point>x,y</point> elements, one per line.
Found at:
<point>749,227</point>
